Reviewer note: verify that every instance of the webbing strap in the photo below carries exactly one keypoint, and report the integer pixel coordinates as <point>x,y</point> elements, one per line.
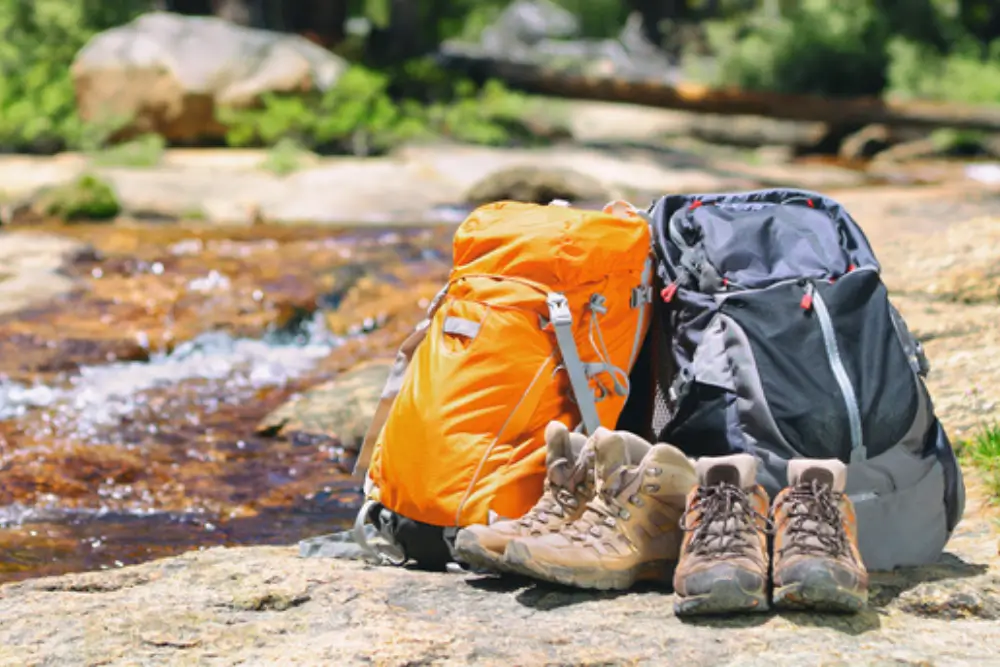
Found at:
<point>639,301</point>
<point>561,320</point>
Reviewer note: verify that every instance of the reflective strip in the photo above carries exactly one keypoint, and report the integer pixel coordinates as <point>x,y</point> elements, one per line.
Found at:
<point>461,327</point>
<point>858,452</point>
<point>561,320</point>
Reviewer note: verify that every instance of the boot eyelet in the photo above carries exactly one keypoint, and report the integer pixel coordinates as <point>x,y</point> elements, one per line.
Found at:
<point>652,488</point>
<point>625,515</point>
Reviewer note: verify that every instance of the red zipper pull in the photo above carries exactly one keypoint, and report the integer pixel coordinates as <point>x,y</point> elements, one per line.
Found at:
<point>668,292</point>
<point>807,299</point>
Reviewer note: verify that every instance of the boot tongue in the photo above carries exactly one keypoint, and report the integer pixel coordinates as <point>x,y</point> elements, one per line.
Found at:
<point>616,450</point>
<point>740,470</point>
<point>577,441</point>
<point>557,443</point>
<point>832,473</point>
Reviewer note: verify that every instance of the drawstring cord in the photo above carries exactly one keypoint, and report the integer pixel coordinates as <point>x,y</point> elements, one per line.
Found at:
<point>618,376</point>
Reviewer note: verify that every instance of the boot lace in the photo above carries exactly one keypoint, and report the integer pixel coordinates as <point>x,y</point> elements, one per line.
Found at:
<point>815,522</point>
<point>726,524</point>
<point>561,498</point>
<point>600,518</point>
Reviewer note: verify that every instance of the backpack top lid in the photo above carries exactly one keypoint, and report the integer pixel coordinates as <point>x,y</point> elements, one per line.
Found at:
<point>756,238</point>
<point>557,246</point>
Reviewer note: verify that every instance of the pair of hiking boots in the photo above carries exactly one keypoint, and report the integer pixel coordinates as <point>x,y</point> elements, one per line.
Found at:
<point>617,510</point>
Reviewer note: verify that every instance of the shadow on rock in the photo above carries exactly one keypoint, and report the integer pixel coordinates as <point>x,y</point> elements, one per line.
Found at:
<point>848,624</point>
<point>886,587</point>
<point>728,621</point>
<point>544,596</point>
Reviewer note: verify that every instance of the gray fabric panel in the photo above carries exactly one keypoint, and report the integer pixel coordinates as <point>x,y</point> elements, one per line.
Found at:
<point>710,364</point>
<point>772,472</point>
<point>461,327</point>
<point>899,500</point>
<point>911,346</point>
<point>913,440</point>
<point>756,417</point>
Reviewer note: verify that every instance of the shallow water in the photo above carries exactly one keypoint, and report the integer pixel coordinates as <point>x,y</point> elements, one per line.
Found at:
<point>128,411</point>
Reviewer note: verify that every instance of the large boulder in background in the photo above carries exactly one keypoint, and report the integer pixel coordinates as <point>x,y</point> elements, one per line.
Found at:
<point>167,73</point>
<point>539,185</point>
<point>530,22</point>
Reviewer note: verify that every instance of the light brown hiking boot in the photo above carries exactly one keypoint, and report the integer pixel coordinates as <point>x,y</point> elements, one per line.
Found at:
<point>817,564</point>
<point>568,486</point>
<point>724,565</point>
<point>628,532</point>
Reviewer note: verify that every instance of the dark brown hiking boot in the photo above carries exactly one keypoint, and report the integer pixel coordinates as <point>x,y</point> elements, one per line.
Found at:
<point>568,486</point>
<point>629,532</point>
<point>816,560</point>
<point>724,565</point>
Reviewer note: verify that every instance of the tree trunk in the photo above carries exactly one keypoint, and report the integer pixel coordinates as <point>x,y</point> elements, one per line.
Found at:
<point>857,111</point>
<point>402,39</point>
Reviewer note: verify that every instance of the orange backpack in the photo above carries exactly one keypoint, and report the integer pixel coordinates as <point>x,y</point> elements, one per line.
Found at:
<point>542,319</point>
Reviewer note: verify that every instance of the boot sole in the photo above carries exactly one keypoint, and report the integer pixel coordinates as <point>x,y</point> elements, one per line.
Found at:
<point>819,592</point>
<point>518,559</point>
<point>726,597</point>
<point>472,553</point>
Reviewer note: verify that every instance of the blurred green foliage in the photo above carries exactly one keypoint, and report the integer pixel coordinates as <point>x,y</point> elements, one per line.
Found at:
<point>85,199</point>
<point>38,40</point>
<point>938,49</point>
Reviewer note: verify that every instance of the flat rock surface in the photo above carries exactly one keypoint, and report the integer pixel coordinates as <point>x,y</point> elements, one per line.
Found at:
<point>230,186</point>
<point>30,268</point>
<point>264,605</point>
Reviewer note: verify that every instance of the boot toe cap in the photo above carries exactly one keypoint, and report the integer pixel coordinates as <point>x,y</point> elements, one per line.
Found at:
<point>703,580</point>
<point>803,569</point>
<point>485,537</point>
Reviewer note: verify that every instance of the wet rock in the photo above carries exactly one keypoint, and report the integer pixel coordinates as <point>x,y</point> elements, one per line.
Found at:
<point>866,143</point>
<point>537,184</point>
<point>167,74</point>
<point>916,149</point>
<point>338,411</point>
<point>30,264</point>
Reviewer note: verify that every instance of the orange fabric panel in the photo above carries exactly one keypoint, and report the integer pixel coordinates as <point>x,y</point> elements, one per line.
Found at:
<point>465,433</point>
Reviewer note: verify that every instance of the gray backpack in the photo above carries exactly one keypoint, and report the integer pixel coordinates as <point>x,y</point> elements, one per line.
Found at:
<point>778,338</point>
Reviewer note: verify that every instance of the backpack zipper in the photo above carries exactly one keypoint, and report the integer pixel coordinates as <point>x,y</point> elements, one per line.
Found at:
<point>812,300</point>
